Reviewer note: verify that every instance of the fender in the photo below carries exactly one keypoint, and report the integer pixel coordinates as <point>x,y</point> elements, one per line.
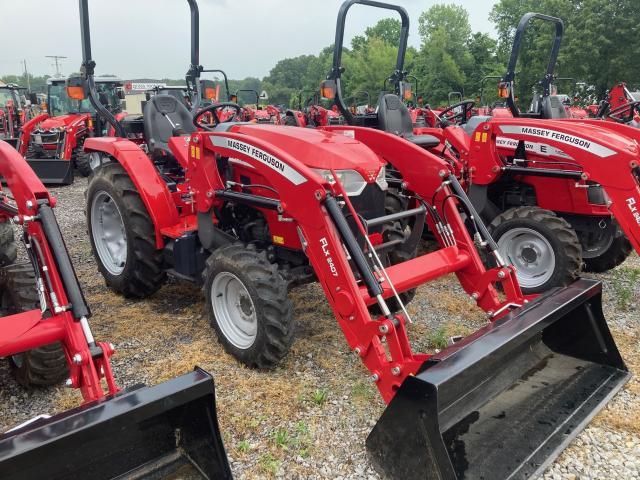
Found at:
<point>152,189</point>
<point>25,132</point>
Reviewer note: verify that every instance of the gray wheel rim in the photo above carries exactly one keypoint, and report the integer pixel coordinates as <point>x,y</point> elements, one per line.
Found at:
<point>108,232</point>
<point>531,253</point>
<point>234,310</point>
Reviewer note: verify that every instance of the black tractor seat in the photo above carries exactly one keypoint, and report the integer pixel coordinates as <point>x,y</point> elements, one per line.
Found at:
<point>394,117</point>
<point>165,117</point>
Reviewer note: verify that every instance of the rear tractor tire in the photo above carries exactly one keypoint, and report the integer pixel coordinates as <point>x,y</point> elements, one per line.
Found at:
<point>609,251</point>
<point>248,305</point>
<point>8,251</point>
<point>122,234</point>
<point>542,246</point>
<point>42,366</point>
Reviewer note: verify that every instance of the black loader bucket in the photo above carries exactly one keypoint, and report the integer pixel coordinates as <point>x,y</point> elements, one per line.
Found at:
<point>166,431</point>
<point>52,171</point>
<point>504,402</point>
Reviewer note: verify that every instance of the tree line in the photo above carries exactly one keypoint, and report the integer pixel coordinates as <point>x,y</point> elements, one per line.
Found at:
<point>600,47</point>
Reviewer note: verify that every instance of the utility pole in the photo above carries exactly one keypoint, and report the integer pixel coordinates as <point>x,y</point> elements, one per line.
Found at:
<point>26,74</point>
<point>57,63</point>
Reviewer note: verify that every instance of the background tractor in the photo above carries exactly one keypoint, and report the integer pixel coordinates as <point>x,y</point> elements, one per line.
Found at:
<point>52,142</point>
<point>13,112</point>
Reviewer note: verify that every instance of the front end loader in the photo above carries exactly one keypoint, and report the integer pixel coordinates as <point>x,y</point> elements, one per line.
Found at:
<point>250,211</point>
<point>139,432</point>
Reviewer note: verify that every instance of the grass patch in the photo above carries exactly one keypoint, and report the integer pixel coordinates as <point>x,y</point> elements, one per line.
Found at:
<point>362,391</point>
<point>624,281</point>
<point>243,446</point>
<point>319,396</point>
<point>438,338</point>
<point>282,438</point>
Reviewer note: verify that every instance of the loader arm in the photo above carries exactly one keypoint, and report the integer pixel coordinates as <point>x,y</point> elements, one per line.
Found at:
<point>312,203</point>
<point>602,152</point>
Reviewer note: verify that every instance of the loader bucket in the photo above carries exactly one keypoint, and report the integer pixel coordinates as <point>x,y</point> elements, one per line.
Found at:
<point>52,171</point>
<point>146,432</point>
<point>504,402</point>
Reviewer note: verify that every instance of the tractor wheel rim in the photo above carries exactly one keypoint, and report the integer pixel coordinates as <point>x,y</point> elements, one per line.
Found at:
<point>531,253</point>
<point>234,310</point>
<point>108,232</point>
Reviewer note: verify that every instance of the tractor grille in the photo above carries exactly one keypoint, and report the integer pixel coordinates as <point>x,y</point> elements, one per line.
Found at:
<point>369,204</point>
<point>46,138</point>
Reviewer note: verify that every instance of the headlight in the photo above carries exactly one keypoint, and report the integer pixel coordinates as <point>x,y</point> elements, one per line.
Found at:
<point>351,181</point>
<point>381,179</point>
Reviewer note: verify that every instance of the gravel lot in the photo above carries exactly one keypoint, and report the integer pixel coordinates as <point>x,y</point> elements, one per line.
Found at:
<point>310,417</point>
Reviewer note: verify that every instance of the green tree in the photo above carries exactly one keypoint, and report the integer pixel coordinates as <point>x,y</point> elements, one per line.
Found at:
<point>387,29</point>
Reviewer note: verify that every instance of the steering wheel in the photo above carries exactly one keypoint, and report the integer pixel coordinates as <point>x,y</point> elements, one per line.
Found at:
<point>458,117</point>
<point>631,107</point>
<point>213,109</point>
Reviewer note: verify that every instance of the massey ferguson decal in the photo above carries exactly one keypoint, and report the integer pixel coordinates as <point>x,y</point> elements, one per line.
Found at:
<point>533,147</point>
<point>325,249</point>
<point>260,155</point>
<point>581,143</point>
<point>631,203</point>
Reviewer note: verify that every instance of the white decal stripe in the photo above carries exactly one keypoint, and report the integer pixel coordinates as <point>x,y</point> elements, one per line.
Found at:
<point>260,155</point>
<point>538,148</point>
<point>581,143</point>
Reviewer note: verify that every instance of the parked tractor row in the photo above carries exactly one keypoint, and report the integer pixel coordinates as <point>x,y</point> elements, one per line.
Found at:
<point>247,205</point>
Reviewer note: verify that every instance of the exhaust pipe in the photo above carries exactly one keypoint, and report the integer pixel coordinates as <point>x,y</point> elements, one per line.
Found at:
<point>143,433</point>
<point>505,401</point>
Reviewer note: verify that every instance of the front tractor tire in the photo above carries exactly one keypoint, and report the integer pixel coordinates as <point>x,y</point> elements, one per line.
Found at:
<point>42,366</point>
<point>122,234</point>
<point>606,251</point>
<point>542,246</point>
<point>248,305</point>
<point>82,161</point>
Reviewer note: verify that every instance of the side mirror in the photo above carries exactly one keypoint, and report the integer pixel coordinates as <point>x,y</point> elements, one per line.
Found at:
<point>504,90</point>
<point>76,88</point>
<point>328,89</point>
<point>120,94</point>
<point>33,98</point>
<point>406,90</point>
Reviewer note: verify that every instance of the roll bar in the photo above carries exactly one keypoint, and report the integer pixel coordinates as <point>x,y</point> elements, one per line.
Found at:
<point>224,76</point>
<point>193,74</point>
<point>87,70</point>
<point>546,82</point>
<point>336,69</point>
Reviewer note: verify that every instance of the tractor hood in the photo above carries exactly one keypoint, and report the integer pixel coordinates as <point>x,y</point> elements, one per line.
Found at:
<point>63,121</point>
<point>319,149</point>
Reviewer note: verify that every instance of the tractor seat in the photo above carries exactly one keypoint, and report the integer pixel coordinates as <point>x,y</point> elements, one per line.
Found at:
<point>394,117</point>
<point>473,123</point>
<point>165,117</point>
<point>552,107</point>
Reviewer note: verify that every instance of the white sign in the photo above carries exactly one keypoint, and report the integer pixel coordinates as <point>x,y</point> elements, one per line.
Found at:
<point>264,95</point>
<point>263,157</point>
<point>143,87</point>
<point>566,138</point>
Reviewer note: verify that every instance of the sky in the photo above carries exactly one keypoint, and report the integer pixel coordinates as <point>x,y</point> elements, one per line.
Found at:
<point>150,38</point>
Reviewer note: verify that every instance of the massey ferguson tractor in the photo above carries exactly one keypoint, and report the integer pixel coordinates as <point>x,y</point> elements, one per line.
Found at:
<point>267,114</point>
<point>13,113</point>
<point>249,211</point>
<point>52,142</point>
<point>312,114</point>
<point>545,200</point>
<point>621,105</point>
<point>139,432</point>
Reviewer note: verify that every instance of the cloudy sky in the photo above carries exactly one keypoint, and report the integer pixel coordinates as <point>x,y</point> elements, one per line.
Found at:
<point>150,38</point>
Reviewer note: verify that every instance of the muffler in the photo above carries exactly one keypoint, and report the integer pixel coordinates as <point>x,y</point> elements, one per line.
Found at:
<point>505,401</point>
<point>145,432</point>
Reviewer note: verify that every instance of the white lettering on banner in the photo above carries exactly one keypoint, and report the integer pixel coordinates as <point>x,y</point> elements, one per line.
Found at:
<point>567,139</point>
<point>325,249</point>
<point>260,155</point>
<point>631,203</point>
<point>539,148</point>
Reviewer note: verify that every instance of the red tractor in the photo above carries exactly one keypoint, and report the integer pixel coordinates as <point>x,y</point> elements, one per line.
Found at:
<point>267,114</point>
<point>52,142</point>
<point>312,114</point>
<point>547,215</point>
<point>45,336</point>
<point>13,112</point>
<point>248,211</point>
<point>621,105</point>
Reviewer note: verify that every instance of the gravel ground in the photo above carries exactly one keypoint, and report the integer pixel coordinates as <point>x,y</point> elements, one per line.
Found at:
<point>310,417</point>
